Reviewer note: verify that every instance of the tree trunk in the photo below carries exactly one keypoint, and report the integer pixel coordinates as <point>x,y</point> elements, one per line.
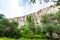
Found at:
<point>50,33</point>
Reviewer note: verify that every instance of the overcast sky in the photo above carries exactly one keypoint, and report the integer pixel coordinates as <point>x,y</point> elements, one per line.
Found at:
<point>14,8</point>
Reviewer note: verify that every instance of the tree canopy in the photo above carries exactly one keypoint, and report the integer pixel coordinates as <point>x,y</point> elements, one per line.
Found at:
<point>2,16</point>
<point>57,1</point>
<point>8,28</point>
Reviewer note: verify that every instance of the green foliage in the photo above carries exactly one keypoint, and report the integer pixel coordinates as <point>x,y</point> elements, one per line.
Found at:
<point>25,32</point>
<point>2,16</point>
<point>24,29</point>
<point>58,2</point>
<point>33,1</point>
<point>48,23</point>
<point>46,1</point>
<point>5,38</point>
<point>48,18</point>
<point>30,22</point>
<point>57,29</point>
<point>58,16</point>
<point>28,18</point>
<point>51,23</point>
<point>48,28</point>
<point>45,19</point>
<point>58,24</point>
<point>37,29</point>
<point>41,36</point>
<point>8,29</point>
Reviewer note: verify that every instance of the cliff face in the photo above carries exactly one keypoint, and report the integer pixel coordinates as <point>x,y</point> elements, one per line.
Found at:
<point>36,15</point>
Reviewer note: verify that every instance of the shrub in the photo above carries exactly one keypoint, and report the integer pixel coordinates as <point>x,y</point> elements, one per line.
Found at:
<point>25,32</point>
<point>37,29</point>
<point>31,25</point>
<point>7,28</point>
<point>41,36</point>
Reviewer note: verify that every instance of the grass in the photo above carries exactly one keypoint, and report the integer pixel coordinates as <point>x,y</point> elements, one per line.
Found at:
<point>4,38</point>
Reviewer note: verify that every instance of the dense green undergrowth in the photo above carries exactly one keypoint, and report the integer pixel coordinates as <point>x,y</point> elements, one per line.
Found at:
<point>5,38</point>
<point>50,23</point>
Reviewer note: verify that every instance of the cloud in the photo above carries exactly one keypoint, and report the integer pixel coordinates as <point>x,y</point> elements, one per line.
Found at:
<point>12,8</point>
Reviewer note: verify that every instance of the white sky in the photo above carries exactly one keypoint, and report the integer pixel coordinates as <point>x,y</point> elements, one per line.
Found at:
<point>14,8</point>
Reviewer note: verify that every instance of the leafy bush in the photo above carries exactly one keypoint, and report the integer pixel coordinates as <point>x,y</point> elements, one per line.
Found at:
<point>44,19</point>
<point>7,28</point>
<point>51,24</point>
<point>31,25</point>
<point>58,2</point>
<point>25,32</point>
<point>37,29</point>
<point>41,36</point>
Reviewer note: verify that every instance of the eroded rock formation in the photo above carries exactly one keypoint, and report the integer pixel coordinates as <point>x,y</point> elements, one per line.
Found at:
<point>36,15</point>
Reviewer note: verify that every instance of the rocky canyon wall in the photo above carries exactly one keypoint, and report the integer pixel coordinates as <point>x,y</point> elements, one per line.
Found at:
<point>36,15</point>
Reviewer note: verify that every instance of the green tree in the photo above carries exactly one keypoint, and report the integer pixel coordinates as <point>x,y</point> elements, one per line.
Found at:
<point>48,28</point>
<point>7,28</point>
<point>49,21</point>
<point>2,16</point>
<point>57,30</point>
<point>33,1</point>
<point>30,22</point>
<point>58,2</point>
